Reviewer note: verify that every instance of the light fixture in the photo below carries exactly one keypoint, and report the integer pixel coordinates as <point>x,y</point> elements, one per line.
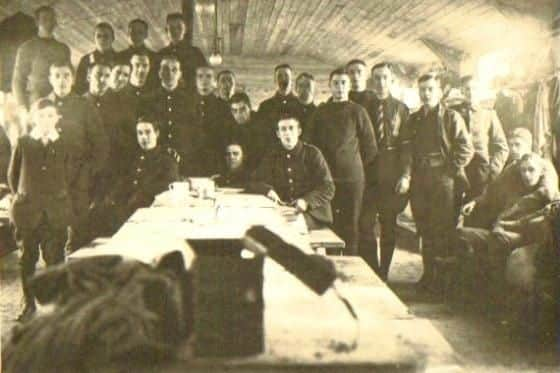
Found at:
<point>215,58</point>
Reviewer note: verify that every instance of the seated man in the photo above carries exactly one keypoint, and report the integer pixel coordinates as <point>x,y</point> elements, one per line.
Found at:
<point>295,173</point>
<point>494,222</point>
<point>150,173</point>
<point>236,174</point>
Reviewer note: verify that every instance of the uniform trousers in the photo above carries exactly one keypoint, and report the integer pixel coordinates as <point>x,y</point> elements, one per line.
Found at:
<point>346,204</point>
<point>52,241</point>
<point>433,203</point>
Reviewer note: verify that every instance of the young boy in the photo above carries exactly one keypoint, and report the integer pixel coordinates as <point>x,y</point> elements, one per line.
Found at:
<point>41,211</point>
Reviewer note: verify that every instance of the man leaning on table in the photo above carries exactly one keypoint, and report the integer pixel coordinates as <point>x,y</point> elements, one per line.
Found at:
<point>296,174</point>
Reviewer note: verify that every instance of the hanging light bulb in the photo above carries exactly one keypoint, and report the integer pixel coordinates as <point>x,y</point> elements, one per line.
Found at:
<point>215,58</point>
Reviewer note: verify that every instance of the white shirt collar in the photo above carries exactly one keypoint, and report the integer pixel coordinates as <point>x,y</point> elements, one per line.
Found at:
<point>36,134</point>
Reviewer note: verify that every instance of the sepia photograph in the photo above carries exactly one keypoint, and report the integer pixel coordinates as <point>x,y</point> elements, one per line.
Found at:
<point>277,186</point>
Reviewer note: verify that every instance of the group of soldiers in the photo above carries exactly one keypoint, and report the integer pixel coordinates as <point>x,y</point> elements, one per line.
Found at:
<point>109,137</point>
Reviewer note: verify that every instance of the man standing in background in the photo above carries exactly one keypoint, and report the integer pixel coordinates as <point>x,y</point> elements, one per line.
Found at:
<point>305,90</point>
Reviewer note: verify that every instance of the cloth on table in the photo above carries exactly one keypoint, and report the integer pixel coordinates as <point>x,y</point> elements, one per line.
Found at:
<point>106,310</point>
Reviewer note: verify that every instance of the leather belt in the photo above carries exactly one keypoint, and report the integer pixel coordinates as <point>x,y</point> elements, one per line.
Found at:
<point>431,160</point>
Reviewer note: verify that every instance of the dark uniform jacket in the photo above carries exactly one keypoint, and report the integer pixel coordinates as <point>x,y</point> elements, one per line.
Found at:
<point>304,112</point>
<point>233,179</point>
<point>211,115</point>
<point>81,128</point>
<point>299,173</point>
<point>39,178</point>
<point>344,134</point>
<point>149,174</point>
<point>506,198</point>
<point>178,131</point>
<point>272,110</point>
<point>365,98</point>
<point>190,58</point>
<point>488,137</point>
<point>5,154</point>
<point>31,71</point>
<point>250,135</point>
<point>455,144</point>
<point>130,99</point>
<point>81,85</point>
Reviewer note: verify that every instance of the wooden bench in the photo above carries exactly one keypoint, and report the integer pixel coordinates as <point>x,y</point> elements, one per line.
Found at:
<point>325,241</point>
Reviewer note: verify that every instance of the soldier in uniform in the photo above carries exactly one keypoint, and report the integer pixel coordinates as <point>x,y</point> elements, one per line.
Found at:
<point>305,90</point>
<point>441,149</point>
<point>343,132</point>
<point>245,129</point>
<point>34,57</point>
<point>282,103</point>
<point>103,54</point>
<point>138,30</point>
<point>39,178</point>
<point>357,70</point>
<point>296,174</point>
<point>149,174</point>
<point>82,130</point>
<point>189,56</point>
<point>236,174</point>
<point>168,103</point>
<point>120,76</point>
<point>211,114</point>
<point>226,84</point>
<point>386,194</point>
<point>489,140</point>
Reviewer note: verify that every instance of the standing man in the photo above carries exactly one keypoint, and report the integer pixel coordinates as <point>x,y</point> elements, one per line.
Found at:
<point>226,84</point>
<point>168,103</point>
<point>305,90</point>
<point>441,149</point>
<point>81,129</point>
<point>190,57</point>
<point>357,70</point>
<point>103,54</point>
<point>386,194</point>
<point>341,129</point>
<point>34,57</point>
<point>211,114</point>
<point>138,30</point>
<point>283,103</point>
<point>489,140</point>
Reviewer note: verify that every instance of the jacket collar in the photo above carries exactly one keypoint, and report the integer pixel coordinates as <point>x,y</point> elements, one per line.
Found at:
<point>51,136</point>
<point>295,151</point>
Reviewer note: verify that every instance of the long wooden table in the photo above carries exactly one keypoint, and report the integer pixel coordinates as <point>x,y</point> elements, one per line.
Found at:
<point>303,331</point>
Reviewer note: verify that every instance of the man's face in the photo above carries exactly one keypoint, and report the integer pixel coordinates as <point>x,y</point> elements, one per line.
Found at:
<point>47,21</point>
<point>61,80</point>
<point>382,81</point>
<point>176,30</point>
<point>98,79</point>
<point>518,148</point>
<point>283,78</point>
<point>241,112</point>
<point>103,38</point>
<point>234,157</point>
<point>358,75</point>
<point>46,119</point>
<point>120,76</point>
<point>226,85</point>
<point>147,136</point>
<point>137,33</point>
<point>140,67</point>
<point>340,86</point>
<point>205,80</point>
<point>305,89</point>
<point>170,72</point>
<point>430,92</point>
<point>288,132</point>
<point>531,171</point>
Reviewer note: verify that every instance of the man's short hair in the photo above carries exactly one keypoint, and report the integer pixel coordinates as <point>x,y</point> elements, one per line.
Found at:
<point>206,67</point>
<point>100,64</point>
<point>170,57</point>
<point>139,21</point>
<point>288,116</point>
<point>306,76</point>
<point>234,140</point>
<point>522,134</point>
<point>431,76</point>
<point>106,26</point>
<point>175,17</point>
<point>149,119</point>
<point>43,9</point>
<point>383,65</point>
<point>62,63</point>
<point>240,97</point>
<point>282,66</point>
<point>338,71</point>
<point>466,79</point>
<point>224,72</point>
<point>140,54</point>
<point>42,103</point>
<point>356,61</point>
